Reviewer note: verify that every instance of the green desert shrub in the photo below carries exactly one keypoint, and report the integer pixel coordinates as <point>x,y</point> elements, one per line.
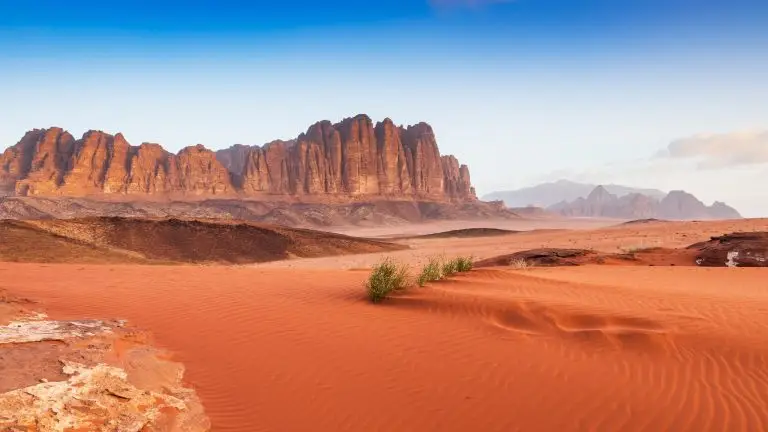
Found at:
<point>430,272</point>
<point>439,268</point>
<point>463,264</point>
<point>386,277</point>
<point>450,267</point>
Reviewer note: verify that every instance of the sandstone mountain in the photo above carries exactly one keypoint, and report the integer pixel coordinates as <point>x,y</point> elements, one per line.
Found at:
<point>678,205</point>
<point>352,159</point>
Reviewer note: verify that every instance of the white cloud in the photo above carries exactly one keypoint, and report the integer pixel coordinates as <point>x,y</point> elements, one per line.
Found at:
<point>725,167</point>
<point>721,150</point>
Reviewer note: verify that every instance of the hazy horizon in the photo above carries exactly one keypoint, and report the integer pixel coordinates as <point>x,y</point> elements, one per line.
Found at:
<point>653,94</point>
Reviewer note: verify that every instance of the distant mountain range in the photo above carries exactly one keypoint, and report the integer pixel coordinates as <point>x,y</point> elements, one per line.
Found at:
<point>548,194</point>
<point>613,201</point>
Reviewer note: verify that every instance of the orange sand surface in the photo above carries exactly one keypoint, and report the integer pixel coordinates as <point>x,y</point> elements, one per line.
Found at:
<point>600,235</point>
<point>596,348</point>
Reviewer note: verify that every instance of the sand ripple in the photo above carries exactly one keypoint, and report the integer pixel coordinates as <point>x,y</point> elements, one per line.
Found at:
<point>633,349</point>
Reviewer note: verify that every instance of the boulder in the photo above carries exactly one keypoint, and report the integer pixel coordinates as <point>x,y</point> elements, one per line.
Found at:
<point>733,250</point>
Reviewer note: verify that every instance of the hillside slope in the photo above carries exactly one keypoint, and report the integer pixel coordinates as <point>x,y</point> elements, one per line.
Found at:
<point>116,240</point>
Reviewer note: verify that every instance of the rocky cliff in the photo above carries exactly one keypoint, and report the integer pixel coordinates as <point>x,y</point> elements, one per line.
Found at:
<point>678,205</point>
<point>349,159</point>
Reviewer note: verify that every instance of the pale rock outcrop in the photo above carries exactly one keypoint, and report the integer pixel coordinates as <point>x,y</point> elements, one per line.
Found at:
<point>40,330</point>
<point>136,390</point>
<point>95,398</point>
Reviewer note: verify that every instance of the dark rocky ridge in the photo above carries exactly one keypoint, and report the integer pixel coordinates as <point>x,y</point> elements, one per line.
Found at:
<point>304,214</point>
<point>170,240</point>
<point>740,249</point>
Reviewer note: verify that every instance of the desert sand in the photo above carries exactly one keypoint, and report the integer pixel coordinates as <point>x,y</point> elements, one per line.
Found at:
<point>603,235</point>
<point>295,345</point>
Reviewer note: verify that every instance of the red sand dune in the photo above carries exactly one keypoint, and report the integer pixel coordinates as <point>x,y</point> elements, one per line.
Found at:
<point>588,348</point>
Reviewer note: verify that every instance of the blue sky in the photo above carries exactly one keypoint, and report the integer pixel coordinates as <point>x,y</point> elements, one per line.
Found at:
<point>522,91</point>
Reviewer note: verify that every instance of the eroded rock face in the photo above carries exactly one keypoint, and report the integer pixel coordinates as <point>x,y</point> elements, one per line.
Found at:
<point>196,171</point>
<point>233,158</point>
<point>149,166</point>
<point>37,164</point>
<point>424,159</point>
<point>52,162</point>
<point>352,158</point>
<point>394,174</point>
<point>457,181</point>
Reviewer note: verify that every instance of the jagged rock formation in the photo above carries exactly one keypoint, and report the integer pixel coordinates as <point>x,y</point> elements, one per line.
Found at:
<point>678,205</point>
<point>351,159</point>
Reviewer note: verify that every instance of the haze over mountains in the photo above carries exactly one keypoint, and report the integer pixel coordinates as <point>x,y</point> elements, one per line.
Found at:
<point>573,199</point>
<point>677,205</point>
<point>547,194</point>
